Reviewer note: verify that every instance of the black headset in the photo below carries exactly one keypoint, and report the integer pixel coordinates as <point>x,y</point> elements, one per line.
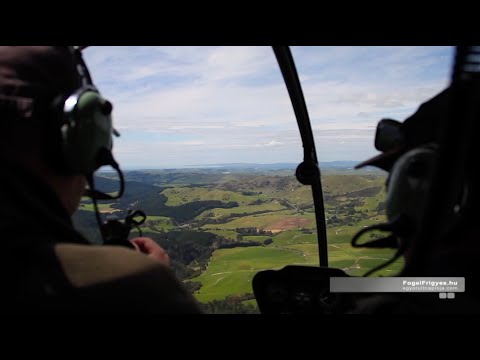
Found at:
<point>407,188</point>
<point>85,136</point>
<point>408,185</point>
<point>84,129</point>
<point>80,139</point>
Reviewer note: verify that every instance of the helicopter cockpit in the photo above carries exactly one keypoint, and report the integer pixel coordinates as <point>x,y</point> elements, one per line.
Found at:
<point>258,219</point>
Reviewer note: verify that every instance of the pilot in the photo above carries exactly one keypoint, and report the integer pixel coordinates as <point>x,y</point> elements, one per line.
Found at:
<point>47,266</point>
<point>408,152</point>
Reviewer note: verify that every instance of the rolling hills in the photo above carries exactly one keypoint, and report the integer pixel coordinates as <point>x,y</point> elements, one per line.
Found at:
<point>222,227</point>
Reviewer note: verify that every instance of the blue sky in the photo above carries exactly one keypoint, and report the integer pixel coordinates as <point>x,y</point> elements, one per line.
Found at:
<point>177,106</point>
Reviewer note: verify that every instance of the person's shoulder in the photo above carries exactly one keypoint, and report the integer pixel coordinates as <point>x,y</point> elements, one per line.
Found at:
<point>87,265</point>
<point>118,278</point>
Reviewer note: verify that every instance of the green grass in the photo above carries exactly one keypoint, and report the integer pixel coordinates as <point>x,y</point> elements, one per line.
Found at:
<point>342,184</point>
<point>294,237</point>
<point>179,196</point>
<point>246,209</point>
<point>252,302</point>
<point>308,251</point>
<point>227,234</point>
<point>264,221</point>
<point>103,208</point>
<point>218,287</point>
<point>371,203</point>
<point>345,233</point>
<point>299,196</point>
<point>272,187</point>
<point>352,260</point>
<point>357,262</point>
<point>230,271</point>
<point>157,223</point>
<point>260,238</point>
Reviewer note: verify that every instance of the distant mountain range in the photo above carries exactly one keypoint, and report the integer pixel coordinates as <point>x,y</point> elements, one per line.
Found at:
<point>277,166</point>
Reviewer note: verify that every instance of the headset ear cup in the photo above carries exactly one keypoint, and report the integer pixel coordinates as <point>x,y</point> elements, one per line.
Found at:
<point>87,131</point>
<point>408,187</point>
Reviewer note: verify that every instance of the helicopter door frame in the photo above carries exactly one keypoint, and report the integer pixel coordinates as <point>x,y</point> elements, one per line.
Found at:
<point>308,172</point>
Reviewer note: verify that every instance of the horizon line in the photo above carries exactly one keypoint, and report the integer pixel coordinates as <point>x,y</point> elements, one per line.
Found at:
<point>220,165</point>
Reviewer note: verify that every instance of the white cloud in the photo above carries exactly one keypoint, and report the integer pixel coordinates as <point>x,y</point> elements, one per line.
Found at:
<point>273,143</point>
<point>226,103</point>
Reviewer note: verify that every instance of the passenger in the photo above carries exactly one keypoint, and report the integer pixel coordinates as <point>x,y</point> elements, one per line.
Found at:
<point>47,155</point>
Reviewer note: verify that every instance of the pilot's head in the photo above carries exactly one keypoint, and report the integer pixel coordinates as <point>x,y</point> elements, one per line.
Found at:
<point>408,151</point>
<point>53,121</point>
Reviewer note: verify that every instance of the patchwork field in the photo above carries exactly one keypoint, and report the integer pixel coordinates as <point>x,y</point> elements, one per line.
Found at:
<point>250,222</point>
<point>273,221</point>
<point>353,202</point>
<point>103,208</point>
<point>230,271</point>
<point>240,211</point>
<point>183,195</point>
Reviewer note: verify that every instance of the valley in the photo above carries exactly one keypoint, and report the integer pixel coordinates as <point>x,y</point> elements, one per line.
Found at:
<point>221,226</point>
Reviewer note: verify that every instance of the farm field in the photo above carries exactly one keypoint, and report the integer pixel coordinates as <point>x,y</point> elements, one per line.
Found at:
<point>220,230</point>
